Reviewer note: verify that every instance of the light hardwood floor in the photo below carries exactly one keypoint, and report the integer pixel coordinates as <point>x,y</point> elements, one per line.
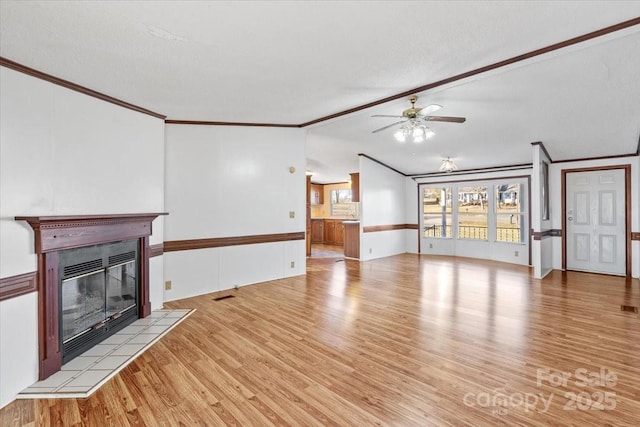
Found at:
<point>319,250</point>
<point>405,340</point>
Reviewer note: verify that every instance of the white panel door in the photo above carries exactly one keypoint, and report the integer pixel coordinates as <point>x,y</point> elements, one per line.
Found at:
<point>596,223</point>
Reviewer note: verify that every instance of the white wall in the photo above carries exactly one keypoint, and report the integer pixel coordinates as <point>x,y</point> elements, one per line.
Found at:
<point>224,181</point>
<point>555,172</point>
<point>382,202</point>
<point>541,250</point>
<point>64,153</point>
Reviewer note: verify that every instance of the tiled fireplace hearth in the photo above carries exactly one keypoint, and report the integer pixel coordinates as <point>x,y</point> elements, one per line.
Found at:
<point>57,240</point>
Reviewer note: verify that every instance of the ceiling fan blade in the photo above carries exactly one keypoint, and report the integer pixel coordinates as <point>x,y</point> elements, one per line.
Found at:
<point>445,119</point>
<point>430,109</point>
<point>386,115</point>
<point>388,126</point>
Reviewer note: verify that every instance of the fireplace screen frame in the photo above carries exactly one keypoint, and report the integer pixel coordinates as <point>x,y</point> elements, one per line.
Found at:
<point>97,262</point>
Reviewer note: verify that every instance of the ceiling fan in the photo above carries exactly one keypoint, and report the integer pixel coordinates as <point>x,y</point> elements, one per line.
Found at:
<point>414,122</point>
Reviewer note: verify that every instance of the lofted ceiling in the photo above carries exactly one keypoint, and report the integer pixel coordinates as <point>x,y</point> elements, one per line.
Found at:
<point>293,62</point>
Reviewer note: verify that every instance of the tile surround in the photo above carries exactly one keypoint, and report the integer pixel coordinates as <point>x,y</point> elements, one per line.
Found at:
<point>84,374</point>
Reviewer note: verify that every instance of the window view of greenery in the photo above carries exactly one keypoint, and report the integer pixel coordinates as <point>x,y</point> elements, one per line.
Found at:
<point>341,204</point>
<point>509,214</point>
<point>437,212</point>
<point>472,213</point>
<point>471,207</point>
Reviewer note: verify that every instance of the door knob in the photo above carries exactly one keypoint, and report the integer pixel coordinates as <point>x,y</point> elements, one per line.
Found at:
<point>570,218</point>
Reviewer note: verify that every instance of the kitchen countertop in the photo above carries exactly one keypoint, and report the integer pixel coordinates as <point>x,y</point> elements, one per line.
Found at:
<point>339,219</point>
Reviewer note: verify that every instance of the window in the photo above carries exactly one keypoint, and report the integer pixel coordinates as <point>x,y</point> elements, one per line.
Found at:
<point>472,213</point>
<point>509,213</point>
<point>489,211</point>
<point>437,210</point>
<point>341,204</point>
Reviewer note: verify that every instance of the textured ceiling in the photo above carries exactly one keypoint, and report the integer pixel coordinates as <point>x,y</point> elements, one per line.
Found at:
<point>293,62</point>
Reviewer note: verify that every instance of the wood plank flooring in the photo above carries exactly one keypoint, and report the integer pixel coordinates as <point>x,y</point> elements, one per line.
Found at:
<point>319,250</point>
<point>407,341</point>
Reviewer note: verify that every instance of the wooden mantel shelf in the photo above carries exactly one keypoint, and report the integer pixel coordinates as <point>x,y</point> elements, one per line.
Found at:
<point>53,233</point>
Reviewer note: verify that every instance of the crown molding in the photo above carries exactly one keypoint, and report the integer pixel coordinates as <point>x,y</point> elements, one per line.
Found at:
<point>4,62</point>
<point>208,123</point>
<point>490,67</point>
<point>584,159</point>
<point>382,164</point>
<point>544,149</point>
<point>537,52</point>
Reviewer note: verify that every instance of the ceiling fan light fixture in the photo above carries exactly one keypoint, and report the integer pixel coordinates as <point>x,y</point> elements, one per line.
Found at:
<point>418,134</point>
<point>428,133</point>
<point>399,135</point>
<point>448,165</point>
<point>413,125</point>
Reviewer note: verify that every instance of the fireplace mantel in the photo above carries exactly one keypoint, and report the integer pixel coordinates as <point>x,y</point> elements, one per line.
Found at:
<point>55,233</point>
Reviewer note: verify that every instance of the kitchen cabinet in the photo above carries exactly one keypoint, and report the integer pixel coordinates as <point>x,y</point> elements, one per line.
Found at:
<point>317,194</point>
<point>339,233</point>
<point>329,232</point>
<point>333,232</point>
<point>355,187</point>
<point>317,231</point>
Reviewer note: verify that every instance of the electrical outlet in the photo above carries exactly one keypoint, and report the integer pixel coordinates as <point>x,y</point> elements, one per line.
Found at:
<point>292,214</point>
<point>293,264</point>
<point>517,253</point>
<point>430,245</point>
<point>167,285</point>
<point>369,250</point>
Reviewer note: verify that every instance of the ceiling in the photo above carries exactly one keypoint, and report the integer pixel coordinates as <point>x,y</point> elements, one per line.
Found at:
<point>292,62</point>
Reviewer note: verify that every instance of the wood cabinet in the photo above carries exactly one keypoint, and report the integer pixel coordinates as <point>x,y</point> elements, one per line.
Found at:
<point>339,233</point>
<point>329,232</point>
<point>317,231</point>
<point>317,194</point>
<point>333,232</point>
<point>352,240</point>
<point>355,187</point>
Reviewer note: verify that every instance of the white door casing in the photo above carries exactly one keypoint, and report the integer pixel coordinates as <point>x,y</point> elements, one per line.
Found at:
<point>596,221</point>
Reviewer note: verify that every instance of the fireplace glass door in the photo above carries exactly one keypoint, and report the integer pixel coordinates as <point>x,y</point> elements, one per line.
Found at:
<point>83,303</point>
<point>98,293</point>
<point>121,288</point>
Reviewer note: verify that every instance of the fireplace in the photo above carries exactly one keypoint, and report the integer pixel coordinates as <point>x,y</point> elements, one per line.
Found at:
<point>98,294</point>
<point>93,280</point>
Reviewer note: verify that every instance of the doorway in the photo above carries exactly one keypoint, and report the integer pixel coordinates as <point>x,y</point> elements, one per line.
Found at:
<point>596,213</point>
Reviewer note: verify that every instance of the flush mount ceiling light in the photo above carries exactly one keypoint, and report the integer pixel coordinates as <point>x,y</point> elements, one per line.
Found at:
<point>414,122</point>
<point>448,165</point>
